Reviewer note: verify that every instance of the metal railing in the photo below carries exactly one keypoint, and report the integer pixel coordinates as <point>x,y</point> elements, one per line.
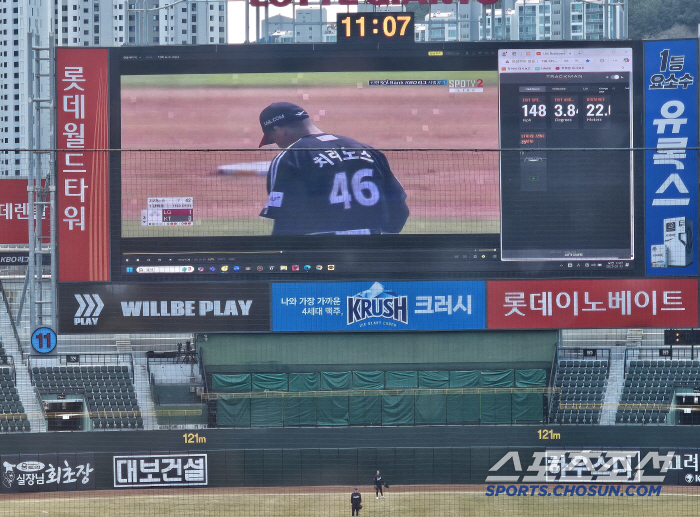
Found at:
<point>667,353</point>
<point>82,360</point>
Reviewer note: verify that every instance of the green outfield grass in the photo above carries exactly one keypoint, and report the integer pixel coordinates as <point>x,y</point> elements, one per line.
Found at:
<point>332,501</point>
<point>280,80</point>
<point>262,226</point>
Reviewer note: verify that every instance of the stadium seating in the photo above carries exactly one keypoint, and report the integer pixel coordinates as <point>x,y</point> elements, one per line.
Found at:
<point>109,393</point>
<point>579,392</point>
<point>12,415</point>
<point>648,391</point>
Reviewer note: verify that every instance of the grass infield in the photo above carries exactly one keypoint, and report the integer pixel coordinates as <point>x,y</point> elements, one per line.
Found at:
<point>404,501</point>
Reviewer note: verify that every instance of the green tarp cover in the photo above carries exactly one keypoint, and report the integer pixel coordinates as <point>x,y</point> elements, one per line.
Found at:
<point>396,380</point>
<point>530,378</point>
<point>299,411</point>
<point>365,410</point>
<point>495,408</point>
<point>527,407</point>
<point>465,379</point>
<point>368,380</point>
<point>433,380</point>
<point>336,381</point>
<point>233,412</point>
<point>397,409</point>
<point>266,412</point>
<point>497,379</point>
<point>303,382</point>
<point>479,379</point>
<point>431,409</point>
<point>269,382</point>
<point>462,408</point>
<point>234,382</point>
<point>332,410</point>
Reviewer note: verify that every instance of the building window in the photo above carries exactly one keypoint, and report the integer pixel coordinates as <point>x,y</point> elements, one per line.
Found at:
<point>96,40</point>
<point>155,39</point>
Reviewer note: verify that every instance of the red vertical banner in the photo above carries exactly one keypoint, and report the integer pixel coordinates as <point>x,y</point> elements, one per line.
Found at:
<point>14,212</point>
<point>83,182</point>
<point>544,304</point>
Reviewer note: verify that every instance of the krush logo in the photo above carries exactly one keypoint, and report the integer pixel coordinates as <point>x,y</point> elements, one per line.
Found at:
<point>90,307</point>
<point>377,302</point>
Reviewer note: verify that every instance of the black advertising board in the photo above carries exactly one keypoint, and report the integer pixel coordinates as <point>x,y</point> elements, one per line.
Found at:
<point>180,307</point>
<point>160,470</point>
<point>47,472</point>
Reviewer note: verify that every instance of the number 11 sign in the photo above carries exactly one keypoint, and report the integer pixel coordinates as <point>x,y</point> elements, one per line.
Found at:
<point>44,341</point>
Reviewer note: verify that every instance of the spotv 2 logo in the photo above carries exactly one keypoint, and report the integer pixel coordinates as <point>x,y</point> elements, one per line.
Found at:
<point>90,307</point>
<point>377,302</point>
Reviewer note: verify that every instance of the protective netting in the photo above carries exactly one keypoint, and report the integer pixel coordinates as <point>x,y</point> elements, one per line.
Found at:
<point>398,500</point>
<point>447,191</point>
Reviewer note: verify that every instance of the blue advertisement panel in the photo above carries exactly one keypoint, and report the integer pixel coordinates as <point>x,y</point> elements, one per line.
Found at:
<point>378,306</point>
<point>671,167</point>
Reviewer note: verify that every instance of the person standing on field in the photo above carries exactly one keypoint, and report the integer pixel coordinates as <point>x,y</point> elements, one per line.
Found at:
<point>378,485</point>
<point>356,502</point>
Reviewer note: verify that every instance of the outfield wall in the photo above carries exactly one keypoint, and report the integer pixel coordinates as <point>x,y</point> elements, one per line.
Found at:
<point>309,457</point>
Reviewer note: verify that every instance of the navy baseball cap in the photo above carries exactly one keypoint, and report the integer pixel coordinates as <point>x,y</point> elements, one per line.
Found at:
<point>279,114</point>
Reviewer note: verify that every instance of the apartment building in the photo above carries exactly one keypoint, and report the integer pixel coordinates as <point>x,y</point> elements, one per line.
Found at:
<point>82,23</point>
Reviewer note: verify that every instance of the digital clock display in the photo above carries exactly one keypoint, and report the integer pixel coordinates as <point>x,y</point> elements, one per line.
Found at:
<point>375,27</point>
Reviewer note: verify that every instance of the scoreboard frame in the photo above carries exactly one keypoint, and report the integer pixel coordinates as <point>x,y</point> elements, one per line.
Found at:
<point>430,256</point>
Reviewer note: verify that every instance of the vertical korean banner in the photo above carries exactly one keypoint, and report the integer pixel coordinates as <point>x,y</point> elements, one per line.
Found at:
<point>671,219</point>
<point>83,187</point>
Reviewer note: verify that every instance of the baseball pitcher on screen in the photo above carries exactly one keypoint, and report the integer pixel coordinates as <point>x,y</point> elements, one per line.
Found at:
<point>326,184</point>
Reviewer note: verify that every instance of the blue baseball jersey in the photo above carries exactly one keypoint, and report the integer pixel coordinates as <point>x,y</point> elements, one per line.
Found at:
<point>325,183</point>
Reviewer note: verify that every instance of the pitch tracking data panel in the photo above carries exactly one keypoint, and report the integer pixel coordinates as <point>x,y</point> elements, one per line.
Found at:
<point>559,201</point>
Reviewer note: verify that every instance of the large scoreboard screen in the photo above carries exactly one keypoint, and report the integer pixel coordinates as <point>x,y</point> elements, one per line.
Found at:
<point>515,160</point>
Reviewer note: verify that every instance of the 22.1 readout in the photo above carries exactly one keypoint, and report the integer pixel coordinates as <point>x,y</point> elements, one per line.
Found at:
<point>375,27</point>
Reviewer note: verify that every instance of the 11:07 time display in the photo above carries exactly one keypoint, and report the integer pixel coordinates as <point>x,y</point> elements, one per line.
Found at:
<point>361,26</point>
